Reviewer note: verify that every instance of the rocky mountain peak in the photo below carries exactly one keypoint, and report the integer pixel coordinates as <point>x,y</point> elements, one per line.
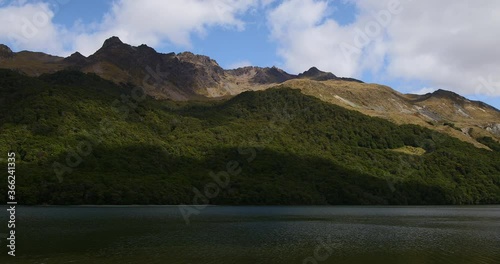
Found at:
<point>146,48</point>
<point>5,51</point>
<point>272,75</point>
<point>113,41</point>
<point>315,74</point>
<point>76,58</point>
<point>121,55</point>
<point>312,71</point>
<point>448,95</point>
<point>77,55</point>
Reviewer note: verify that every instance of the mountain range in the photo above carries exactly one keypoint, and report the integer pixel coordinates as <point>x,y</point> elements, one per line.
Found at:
<point>183,76</point>
<point>186,76</point>
<point>129,125</point>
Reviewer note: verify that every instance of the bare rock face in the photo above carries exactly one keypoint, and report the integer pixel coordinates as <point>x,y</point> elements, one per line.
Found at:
<point>271,75</point>
<point>317,75</point>
<point>180,76</point>
<point>5,52</point>
<point>197,71</point>
<point>258,75</point>
<point>494,129</point>
<point>121,55</point>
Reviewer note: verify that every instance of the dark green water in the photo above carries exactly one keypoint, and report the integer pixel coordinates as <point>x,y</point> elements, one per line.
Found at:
<point>256,235</point>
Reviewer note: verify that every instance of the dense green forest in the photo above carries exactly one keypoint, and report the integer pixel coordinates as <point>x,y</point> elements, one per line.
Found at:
<point>80,139</point>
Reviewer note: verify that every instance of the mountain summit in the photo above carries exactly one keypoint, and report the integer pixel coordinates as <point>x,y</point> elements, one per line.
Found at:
<point>180,76</point>
<point>317,75</point>
<point>113,41</point>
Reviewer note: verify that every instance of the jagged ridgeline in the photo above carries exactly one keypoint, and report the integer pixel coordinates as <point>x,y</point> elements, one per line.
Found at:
<point>282,147</point>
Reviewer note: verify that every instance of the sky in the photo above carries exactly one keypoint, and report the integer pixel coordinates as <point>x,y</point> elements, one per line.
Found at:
<point>412,46</point>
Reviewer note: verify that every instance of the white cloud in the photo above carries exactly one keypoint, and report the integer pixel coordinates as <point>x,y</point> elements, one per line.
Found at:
<point>449,44</point>
<point>29,26</point>
<point>452,45</point>
<point>304,39</point>
<point>154,21</point>
<point>307,37</point>
<point>135,22</point>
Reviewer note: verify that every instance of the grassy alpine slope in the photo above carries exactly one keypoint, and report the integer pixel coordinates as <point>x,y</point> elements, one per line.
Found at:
<point>279,146</point>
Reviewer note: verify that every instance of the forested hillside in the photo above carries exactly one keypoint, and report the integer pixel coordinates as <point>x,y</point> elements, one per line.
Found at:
<point>80,139</point>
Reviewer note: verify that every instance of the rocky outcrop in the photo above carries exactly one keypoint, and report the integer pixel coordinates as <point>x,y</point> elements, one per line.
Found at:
<point>5,52</point>
<point>77,59</point>
<point>317,75</point>
<point>494,129</point>
<point>196,71</point>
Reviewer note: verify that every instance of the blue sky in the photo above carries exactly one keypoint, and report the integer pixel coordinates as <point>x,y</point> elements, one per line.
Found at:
<point>392,42</point>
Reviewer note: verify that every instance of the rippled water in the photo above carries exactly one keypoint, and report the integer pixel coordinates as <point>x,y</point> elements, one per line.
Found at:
<point>257,235</point>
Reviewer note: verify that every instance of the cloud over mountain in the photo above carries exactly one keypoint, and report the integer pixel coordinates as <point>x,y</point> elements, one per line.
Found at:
<point>446,44</point>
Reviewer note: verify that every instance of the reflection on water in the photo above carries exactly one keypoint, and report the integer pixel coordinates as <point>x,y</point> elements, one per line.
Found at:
<point>257,235</point>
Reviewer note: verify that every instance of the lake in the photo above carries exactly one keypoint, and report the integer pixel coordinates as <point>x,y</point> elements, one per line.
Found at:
<point>260,234</point>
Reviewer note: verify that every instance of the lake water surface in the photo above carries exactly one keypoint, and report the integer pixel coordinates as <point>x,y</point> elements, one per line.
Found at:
<point>272,234</point>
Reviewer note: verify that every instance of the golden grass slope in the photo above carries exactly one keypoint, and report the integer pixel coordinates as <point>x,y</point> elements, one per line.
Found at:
<point>444,112</point>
